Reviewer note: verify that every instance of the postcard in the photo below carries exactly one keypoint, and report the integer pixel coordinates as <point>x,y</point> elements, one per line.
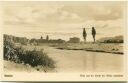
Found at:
<point>63,40</point>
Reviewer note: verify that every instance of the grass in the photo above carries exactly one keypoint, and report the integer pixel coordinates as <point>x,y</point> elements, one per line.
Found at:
<point>33,58</point>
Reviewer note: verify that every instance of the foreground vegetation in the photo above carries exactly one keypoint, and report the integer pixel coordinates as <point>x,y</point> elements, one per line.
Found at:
<point>32,58</point>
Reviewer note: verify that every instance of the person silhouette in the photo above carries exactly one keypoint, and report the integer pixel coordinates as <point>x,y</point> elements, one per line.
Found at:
<point>84,35</point>
<point>93,33</point>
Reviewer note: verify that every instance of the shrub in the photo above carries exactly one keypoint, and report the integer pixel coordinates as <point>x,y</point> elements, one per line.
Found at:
<point>33,58</point>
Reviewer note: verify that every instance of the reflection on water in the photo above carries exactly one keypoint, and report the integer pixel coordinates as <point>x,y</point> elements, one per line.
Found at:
<point>80,61</point>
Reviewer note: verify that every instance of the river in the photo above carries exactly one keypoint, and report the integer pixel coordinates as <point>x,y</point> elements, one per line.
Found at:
<point>84,61</point>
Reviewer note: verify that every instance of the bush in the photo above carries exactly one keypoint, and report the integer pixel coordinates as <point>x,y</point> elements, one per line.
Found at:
<point>33,58</point>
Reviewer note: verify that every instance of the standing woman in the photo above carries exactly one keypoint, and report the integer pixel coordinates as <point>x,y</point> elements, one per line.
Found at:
<point>93,33</point>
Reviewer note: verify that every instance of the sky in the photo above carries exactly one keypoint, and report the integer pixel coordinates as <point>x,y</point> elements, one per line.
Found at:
<point>63,19</point>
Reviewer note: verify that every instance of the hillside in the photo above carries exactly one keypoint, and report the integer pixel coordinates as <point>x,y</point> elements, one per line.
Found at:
<point>116,39</point>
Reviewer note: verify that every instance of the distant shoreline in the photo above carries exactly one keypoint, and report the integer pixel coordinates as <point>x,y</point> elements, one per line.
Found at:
<point>93,50</point>
<point>103,48</point>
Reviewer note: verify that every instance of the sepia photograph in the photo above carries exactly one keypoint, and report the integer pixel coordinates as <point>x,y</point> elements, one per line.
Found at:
<point>63,37</point>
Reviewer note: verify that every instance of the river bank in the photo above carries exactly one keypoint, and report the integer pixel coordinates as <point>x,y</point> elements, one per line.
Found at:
<point>114,48</point>
<point>16,67</point>
<point>73,61</point>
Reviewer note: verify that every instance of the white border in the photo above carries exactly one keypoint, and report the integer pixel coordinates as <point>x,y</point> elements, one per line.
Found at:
<point>74,76</point>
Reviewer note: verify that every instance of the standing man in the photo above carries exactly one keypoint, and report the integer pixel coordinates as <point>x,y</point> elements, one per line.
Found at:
<point>93,33</point>
<point>84,34</point>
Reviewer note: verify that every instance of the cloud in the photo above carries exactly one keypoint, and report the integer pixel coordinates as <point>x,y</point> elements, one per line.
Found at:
<point>61,13</point>
<point>96,12</point>
<point>38,14</point>
<point>64,19</point>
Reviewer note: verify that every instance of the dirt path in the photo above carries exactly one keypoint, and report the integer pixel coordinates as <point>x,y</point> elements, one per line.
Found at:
<point>83,61</point>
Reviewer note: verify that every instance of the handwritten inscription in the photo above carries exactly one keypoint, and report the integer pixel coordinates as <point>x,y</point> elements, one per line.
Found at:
<point>8,75</point>
<point>100,75</point>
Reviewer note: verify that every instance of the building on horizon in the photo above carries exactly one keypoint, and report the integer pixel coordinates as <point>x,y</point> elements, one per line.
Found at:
<point>74,40</point>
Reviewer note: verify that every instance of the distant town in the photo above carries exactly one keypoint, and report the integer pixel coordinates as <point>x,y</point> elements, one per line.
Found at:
<point>33,41</point>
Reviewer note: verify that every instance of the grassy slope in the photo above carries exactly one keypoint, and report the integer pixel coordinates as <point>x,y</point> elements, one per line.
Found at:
<point>15,67</point>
